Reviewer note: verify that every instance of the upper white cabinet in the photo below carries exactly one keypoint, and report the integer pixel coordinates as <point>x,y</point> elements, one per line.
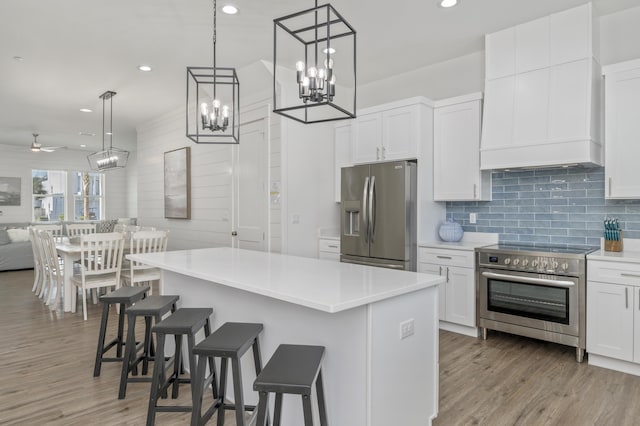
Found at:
<point>456,150</point>
<point>388,134</point>
<point>542,93</point>
<point>622,130</point>
<point>342,151</point>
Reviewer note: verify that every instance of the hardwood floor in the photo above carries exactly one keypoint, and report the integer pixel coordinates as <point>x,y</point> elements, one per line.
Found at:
<point>46,366</point>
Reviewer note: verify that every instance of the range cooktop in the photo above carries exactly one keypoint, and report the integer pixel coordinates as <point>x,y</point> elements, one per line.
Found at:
<point>526,249</point>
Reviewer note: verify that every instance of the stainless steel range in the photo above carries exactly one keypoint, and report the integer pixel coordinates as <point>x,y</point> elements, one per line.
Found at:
<point>536,292</point>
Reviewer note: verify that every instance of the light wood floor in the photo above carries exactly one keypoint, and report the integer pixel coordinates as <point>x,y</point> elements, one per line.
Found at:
<point>46,366</point>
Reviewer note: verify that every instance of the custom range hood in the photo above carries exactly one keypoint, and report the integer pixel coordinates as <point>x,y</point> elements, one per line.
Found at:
<point>543,84</point>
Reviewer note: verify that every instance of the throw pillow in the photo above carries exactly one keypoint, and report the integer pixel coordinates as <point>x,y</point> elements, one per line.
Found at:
<point>4,237</point>
<point>106,225</point>
<point>18,235</point>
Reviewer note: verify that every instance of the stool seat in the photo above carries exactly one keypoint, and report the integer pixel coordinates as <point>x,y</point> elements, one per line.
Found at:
<point>232,338</point>
<point>184,321</point>
<point>292,369</point>
<point>127,295</point>
<point>124,296</point>
<point>153,307</point>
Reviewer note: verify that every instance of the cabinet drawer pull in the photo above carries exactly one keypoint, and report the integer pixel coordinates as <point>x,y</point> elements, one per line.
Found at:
<point>624,274</point>
<point>440,273</point>
<point>444,257</point>
<point>609,187</point>
<point>332,246</point>
<point>626,297</point>
<point>447,274</point>
<point>475,192</point>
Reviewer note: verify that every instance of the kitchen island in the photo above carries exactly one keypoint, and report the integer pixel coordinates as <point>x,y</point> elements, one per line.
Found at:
<point>372,376</point>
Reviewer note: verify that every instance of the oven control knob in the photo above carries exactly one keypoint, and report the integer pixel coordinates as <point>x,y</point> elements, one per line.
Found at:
<point>507,261</point>
<point>565,266</point>
<point>525,262</point>
<point>554,264</point>
<point>544,264</point>
<point>516,261</point>
<point>534,263</point>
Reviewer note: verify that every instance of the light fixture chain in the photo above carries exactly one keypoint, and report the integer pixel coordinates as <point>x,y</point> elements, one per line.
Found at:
<point>214,48</point>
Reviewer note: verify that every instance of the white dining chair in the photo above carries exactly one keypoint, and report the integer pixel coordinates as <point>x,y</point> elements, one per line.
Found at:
<point>55,230</point>
<point>76,229</point>
<point>54,269</point>
<point>100,264</point>
<point>37,261</point>
<point>134,273</point>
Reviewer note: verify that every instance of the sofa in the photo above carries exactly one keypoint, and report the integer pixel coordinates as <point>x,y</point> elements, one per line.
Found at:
<point>15,247</point>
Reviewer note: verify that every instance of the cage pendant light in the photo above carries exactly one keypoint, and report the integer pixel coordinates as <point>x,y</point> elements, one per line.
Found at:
<point>321,45</point>
<point>213,101</point>
<point>112,158</point>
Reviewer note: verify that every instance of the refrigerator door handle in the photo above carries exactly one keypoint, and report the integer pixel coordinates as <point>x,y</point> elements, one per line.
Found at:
<point>364,209</point>
<point>372,216</point>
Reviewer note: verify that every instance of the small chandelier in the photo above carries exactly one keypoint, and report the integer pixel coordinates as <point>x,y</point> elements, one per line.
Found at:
<point>112,158</point>
<point>310,96</point>
<point>210,120</point>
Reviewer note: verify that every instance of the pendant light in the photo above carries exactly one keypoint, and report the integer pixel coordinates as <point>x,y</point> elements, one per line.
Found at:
<point>323,86</point>
<point>112,158</point>
<point>213,101</point>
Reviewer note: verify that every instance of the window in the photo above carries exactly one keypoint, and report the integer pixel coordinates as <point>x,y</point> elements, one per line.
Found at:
<point>49,189</point>
<point>88,200</point>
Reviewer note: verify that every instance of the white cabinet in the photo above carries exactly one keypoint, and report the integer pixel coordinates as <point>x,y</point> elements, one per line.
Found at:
<point>391,134</point>
<point>456,150</point>
<point>613,315</point>
<point>542,94</point>
<point>458,293</point>
<point>329,249</point>
<point>622,130</point>
<point>342,151</point>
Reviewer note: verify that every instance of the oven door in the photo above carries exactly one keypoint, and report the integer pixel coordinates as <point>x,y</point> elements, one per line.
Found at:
<point>543,302</point>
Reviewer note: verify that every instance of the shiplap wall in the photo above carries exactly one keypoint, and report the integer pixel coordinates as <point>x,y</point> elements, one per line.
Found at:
<point>18,161</point>
<point>211,166</point>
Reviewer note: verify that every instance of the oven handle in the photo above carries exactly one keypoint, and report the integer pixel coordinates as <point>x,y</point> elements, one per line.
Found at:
<point>555,283</point>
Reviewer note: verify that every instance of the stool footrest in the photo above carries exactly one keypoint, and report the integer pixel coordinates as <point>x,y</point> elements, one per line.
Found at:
<point>173,408</point>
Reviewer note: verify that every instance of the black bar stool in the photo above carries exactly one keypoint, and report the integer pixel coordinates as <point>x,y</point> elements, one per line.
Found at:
<point>230,341</point>
<point>153,307</point>
<point>292,369</point>
<point>184,321</point>
<point>125,296</point>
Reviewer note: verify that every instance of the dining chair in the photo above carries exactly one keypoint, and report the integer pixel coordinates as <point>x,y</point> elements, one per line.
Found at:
<point>75,229</point>
<point>55,230</point>
<point>100,264</point>
<point>53,268</point>
<point>135,272</point>
<point>37,261</point>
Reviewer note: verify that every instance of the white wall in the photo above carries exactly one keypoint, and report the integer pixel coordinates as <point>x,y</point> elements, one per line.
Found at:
<point>619,35</point>
<point>18,161</point>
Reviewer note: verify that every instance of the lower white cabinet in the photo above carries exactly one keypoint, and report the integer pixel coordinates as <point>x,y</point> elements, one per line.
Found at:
<point>329,249</point>
<point>458,293</point>
<point>613,315</point>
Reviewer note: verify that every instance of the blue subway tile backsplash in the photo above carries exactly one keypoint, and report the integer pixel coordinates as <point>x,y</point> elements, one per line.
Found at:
<point>555,206</point>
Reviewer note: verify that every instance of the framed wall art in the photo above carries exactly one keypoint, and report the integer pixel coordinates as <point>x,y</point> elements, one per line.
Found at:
<point>10,191</point>
<point>177,184</point>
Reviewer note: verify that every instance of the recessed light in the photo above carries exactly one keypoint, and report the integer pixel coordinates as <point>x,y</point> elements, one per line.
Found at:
<point>448,3</point>
<point>331,51</point>
<point>229,9</point>
<point>85,110</point>
<point>86,134</point>
<point>18,58</point>
<point>108,133</point>
<point>83,146</point>
<point>145,68</point>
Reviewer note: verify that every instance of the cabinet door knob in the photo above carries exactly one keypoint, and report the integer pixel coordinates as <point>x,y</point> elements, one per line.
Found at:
<point>234,234</point>
<point>377,153</point>
<point>626,297</point>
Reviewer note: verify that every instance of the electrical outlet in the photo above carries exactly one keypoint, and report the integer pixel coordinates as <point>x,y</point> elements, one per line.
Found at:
<point>406,328</point>
<point>472,218</point>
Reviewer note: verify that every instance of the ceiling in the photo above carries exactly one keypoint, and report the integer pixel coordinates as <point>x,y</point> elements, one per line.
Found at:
<point>74,50</point>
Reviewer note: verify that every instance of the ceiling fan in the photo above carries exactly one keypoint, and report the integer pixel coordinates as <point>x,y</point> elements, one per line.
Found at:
<point>36,147</point>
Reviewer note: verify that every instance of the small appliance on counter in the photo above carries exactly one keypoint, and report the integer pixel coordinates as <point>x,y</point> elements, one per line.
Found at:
<point>379,215</point>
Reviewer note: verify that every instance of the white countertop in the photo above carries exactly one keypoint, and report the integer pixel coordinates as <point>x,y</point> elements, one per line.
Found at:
<point>327,286</point>
<point>470,241</point>
<point>629,256</point>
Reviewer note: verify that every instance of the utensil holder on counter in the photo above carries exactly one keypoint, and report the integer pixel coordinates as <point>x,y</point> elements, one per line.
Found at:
<point>613,245</point>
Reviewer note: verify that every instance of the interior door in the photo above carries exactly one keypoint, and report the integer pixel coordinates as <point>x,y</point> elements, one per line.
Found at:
<point>250,194</point>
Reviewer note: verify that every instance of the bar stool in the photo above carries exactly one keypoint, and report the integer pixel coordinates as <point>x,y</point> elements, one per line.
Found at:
<point>153,307</point>
<point>125,296</point>
<point>292,369</point>
<point>230,341</point>
<point>185,321</point>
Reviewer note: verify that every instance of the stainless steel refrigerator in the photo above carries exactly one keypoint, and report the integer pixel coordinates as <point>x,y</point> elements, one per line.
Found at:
<point>378,221</point>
